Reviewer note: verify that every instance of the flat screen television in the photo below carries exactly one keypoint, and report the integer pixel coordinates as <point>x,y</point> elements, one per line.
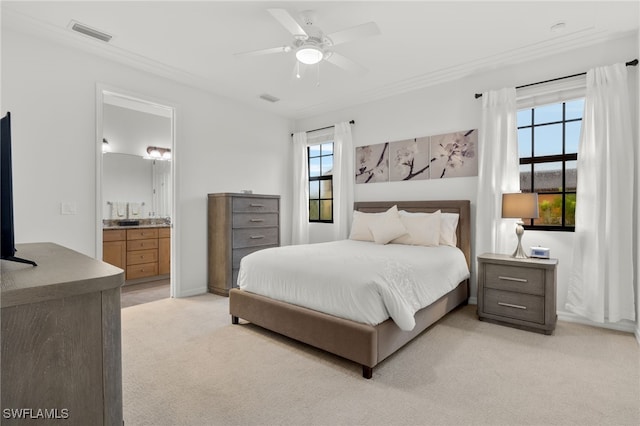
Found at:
<point>7,238</point>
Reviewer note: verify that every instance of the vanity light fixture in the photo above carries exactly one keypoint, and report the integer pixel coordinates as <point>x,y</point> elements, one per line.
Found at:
<point>156,153</point>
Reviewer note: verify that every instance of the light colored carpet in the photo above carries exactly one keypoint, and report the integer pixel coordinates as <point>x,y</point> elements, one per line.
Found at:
<point>185,364</point>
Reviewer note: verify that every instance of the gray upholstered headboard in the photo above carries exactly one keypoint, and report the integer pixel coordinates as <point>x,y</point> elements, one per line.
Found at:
<point>462,207</point>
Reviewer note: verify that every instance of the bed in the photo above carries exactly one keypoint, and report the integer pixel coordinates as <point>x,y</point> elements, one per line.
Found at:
<point>363,343</point>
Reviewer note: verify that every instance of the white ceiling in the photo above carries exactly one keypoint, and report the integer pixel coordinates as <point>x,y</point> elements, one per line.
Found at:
<point>421,42</point>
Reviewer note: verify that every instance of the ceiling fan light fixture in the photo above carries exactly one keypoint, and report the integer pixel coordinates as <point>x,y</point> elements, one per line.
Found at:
<point>309,55</point>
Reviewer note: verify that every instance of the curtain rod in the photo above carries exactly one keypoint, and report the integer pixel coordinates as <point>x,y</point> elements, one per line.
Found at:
<point>629,64</point>
<point>325,128</point>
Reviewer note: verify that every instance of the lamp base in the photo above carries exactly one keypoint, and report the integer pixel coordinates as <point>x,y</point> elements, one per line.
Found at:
<point>519,252</point>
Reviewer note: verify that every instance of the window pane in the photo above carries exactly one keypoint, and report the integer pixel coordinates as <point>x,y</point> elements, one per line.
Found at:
<point>549,209</point>
<point>314,167</point>
<point>327,148</point>
<point>524,117</point>
<point>314,151</point>
<point>326,210</point>
<point>314,189</point>
<point>571,175</point>
<point>547,140</point>
<point>314,210</point>
<point>570,210</point>
<point>525,177</point>
<point>327,165</point>
<point>548,114</point>
<point>326,190</point>
<point>572,136</point>
<point>574,109</point>
<point>524,142</point>
<point>547,177</point>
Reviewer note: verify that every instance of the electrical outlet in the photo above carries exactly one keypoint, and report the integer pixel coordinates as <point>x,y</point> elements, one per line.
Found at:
<point>68,207</point>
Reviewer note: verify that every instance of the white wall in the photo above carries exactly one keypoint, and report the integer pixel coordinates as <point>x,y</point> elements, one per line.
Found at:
<point>452,107</point>
<point>221,146</point>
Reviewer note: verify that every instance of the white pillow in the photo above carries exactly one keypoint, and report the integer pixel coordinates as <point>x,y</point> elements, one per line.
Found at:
<point>448,225</point>
<point>387,226</point>
<point>422,229</point>
<point>360,226</point>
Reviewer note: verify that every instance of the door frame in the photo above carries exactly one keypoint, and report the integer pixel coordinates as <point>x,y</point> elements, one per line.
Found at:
<point>101,90</point>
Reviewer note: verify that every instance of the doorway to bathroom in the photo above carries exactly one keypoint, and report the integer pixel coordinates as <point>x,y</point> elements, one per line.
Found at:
<point>135,198</point>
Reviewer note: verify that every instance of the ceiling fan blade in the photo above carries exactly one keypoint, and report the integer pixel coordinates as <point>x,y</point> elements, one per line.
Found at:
<point>359,31</point>
<point>281,49</point>
<point>346,64</point>
<point>287,21</point>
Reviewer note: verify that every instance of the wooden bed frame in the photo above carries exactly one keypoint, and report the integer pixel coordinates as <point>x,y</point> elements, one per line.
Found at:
<point>362,343</point>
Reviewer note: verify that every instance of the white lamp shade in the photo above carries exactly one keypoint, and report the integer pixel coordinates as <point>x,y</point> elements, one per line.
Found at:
<point>309,55</point>
<point>520,205</point>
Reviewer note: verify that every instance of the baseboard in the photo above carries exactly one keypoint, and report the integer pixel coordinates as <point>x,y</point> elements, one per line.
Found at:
<point>637,333</point>
<point>625,326</point>
<point>473,300</point>
<point>191,292</point>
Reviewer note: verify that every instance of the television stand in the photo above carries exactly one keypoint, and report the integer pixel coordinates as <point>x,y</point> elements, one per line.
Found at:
<point>19,260</point>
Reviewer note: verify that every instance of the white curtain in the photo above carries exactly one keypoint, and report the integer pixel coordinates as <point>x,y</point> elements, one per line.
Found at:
<point>343,180</point>
<point>300,213</point>
<point>498,171</point>
<point>601,280</point>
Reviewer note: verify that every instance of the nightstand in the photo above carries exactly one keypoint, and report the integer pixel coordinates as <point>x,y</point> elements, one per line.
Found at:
<point>518,293</point>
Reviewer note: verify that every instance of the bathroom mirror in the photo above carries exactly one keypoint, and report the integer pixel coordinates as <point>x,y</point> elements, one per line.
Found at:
<point>135,185</point>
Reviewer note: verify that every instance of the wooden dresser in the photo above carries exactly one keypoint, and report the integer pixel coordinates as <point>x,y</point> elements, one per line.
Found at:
<point>144,253</point>
<point>61,343</point>
<point>238,224</point>
<point>517,292</point>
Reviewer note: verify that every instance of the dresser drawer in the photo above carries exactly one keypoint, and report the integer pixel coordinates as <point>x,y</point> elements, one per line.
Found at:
<point>142,244</point>
<point>514,278</point>
<point>525,307</point>
<point>142,256</point>
<point>260,205</point>
<point>254,237</point>
<point>142,233</point>
<point>248,220</point>
<point>238,254</point>
<point>142,270</point>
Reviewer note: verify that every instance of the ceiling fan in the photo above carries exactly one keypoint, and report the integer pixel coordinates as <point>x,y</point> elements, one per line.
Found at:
<point>311,45</point>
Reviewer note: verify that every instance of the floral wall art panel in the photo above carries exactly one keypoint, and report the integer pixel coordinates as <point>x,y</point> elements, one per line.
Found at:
<point>409,159</point>
<point>372,163</point>
<point>454,154</point>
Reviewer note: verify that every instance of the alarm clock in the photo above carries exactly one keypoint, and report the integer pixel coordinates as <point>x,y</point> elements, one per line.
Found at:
<point>541,252</point>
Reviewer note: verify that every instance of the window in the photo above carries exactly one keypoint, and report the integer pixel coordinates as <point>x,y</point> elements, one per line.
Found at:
<point>320,157</point>
<point>548,149</point>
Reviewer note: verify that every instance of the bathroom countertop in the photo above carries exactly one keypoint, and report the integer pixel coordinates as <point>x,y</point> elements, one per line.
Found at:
<point>108,227</point>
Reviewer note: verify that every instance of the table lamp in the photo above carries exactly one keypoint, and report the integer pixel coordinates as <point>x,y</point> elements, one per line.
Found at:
<point>520,206</point>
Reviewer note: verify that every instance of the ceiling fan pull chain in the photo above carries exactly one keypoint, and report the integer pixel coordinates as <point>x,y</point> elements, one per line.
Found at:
<point>318,75</point>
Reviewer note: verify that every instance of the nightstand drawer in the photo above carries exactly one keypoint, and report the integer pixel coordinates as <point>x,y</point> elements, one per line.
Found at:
<point>514,278</point>
<point>525,307</point>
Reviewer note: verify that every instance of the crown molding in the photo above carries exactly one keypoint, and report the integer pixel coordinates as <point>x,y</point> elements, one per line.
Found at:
<point>578,39</point>
<point>535,51</point>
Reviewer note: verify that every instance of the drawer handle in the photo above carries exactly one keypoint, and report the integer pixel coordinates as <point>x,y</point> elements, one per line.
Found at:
<point>256,237</point>
<point>509,305</point>
<point>256,205</point>
<point>520,280</point>
<point>256,220</point>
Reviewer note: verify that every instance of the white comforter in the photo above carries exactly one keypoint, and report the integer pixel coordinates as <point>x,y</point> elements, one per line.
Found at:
<point>357,280</point>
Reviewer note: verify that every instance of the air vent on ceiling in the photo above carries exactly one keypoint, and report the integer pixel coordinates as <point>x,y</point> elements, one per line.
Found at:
<point>269,98</point>
<point>88,31</point>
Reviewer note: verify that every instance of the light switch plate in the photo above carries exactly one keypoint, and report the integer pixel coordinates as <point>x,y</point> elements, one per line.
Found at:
<point>68,207</point>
